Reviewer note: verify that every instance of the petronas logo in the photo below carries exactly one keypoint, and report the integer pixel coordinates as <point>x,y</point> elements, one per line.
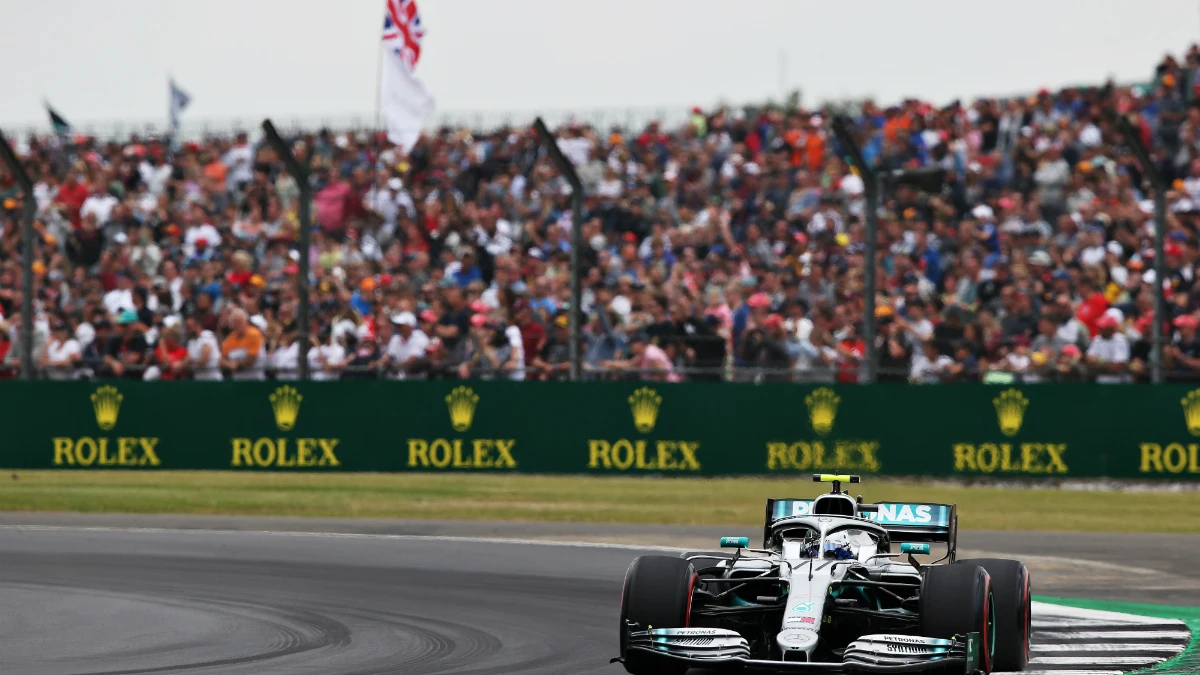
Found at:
<point>1010,411</point>
<point>462,402</point>
<point>644,405</point>
<point>1191,411</point>
<point>285,402</point>
<point>106,402</point>
<point>822,409</point>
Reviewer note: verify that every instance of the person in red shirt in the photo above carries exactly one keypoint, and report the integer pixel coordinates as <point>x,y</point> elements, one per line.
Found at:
<point>851,351</point>
<point>71,196</point>
<point>171,356</point>
<point>533,335</point>
<point>1092,307</point>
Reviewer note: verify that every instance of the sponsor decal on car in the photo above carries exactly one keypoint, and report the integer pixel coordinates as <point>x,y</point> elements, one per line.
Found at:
<point>907,648</point>
<point>803,607</point>
<point>807,619</point>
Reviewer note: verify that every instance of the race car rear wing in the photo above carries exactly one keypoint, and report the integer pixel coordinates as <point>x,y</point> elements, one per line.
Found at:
<point>906,522</point>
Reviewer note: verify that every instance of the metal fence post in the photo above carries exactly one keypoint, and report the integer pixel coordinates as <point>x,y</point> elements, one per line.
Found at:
<point>843,129</point>
<point>300,174</point>
<point>1139,151</point>
<point>567,169</point>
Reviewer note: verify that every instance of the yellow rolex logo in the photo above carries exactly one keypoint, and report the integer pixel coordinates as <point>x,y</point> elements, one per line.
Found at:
<point>1010,411</point>
<point>106,401</point>
<point>285,402</point>
<point>462,402</point>
<point>644,405</point>
<point>1191,411</point>
<point>822,409</point>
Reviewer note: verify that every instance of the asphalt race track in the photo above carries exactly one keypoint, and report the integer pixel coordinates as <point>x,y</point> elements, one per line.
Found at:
<point>90,600</point>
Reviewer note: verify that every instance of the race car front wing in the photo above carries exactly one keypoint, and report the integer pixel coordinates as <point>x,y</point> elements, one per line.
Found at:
<point>717,648</point>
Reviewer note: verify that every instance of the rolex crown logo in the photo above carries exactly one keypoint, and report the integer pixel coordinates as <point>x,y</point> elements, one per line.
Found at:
<point>106,401</point>
<point>1191,411</point>
<point>462,402</point>
<point>822,409</point>
<point>1010,411</point>
<point>286,404</point>
<point>644,403</point>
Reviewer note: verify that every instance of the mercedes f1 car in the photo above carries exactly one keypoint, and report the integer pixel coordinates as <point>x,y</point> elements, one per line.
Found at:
<point>836,587</point>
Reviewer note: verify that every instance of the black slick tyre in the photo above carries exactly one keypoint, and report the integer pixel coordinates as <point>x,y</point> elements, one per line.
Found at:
<point>955,600</point>
<point>1011,600</point>
<point>657,593</point>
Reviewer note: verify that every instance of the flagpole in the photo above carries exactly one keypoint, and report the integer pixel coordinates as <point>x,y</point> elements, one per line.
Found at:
<point>379,84</point>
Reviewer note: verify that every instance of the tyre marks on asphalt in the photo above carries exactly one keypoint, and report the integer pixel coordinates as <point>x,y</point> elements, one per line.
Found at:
<point>1069,641</point>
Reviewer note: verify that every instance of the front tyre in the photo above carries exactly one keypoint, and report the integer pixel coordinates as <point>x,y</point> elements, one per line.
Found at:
<point>1010,588</point>
<point>955,600</point>
<point>657,593</point>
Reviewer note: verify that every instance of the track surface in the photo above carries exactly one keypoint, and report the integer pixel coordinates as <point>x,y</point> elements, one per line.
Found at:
<point>82,601</point>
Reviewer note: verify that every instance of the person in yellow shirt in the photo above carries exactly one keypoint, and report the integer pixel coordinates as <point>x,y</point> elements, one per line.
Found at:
<point>243,349</point>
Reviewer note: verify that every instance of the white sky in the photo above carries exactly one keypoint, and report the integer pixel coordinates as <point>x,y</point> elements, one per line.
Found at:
<point>104,61</point>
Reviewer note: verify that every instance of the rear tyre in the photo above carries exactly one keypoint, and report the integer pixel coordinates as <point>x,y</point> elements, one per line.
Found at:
<point>1010,590</point>
<point>955,600</point>
<point>657,592</point>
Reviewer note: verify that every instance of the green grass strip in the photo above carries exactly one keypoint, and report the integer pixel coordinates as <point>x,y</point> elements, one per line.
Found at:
<point>595,499</point>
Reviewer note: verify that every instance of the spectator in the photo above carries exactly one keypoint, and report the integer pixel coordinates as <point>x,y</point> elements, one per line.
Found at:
<point>407,348</point>
<point>61,354</point>
<point>204,353</point>
<point>1041,226</point>
<point>243,352</point>
<point>127,351</point>
<point>1108,354</point>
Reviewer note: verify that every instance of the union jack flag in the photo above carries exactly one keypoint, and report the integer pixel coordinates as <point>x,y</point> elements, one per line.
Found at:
<point>402,31</point>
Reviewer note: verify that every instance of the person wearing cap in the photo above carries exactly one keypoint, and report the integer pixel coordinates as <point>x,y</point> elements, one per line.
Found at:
<point>894,346</point>
<point>1183,354</point>
<point>488,352</point>
<point>128,351</point>
<point>244,351</point>
<point>646,360</point>
<point>61,354</point>
<point>96,351</point>
<point>766,349</point>
<point>1108,355</point>
<point>554,360</point>
<point>406,350</point>
<point>366,356</point>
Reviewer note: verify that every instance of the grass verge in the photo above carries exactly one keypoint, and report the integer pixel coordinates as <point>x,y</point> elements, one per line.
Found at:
<point>673,501</point>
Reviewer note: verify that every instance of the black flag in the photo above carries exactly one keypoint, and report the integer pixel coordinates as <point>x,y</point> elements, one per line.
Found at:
<point>61,126</point>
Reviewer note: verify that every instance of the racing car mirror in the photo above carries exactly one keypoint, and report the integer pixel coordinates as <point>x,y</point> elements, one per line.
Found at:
<point>735,542</point>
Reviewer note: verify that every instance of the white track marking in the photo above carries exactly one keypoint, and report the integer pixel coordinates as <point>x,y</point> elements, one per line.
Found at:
<point>351,535</point>
<point>1064,672</point>
<point>1129,648</point>
<point>1092,661</point>
<point>1156,635</point>
<point>1095,614</point>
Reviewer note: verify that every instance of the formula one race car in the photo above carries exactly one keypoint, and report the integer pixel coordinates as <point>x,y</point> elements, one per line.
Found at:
<point>826,593</point>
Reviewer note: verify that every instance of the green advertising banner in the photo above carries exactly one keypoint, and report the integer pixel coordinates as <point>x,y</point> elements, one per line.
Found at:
<point>1034,431</point>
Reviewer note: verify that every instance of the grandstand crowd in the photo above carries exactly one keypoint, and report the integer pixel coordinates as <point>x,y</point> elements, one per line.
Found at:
<point>728,248</point>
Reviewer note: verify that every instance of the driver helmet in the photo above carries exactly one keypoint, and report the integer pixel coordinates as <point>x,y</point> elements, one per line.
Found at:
<point>838,546</point>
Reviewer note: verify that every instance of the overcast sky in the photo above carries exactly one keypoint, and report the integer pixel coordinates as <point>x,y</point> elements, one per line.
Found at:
<point>101,61</point>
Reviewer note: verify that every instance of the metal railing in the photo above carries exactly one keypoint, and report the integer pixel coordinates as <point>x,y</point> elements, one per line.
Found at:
<point>723,373</point>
